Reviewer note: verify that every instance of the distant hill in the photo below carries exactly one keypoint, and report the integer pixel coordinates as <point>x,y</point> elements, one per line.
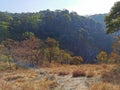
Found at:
<point>98,18</point>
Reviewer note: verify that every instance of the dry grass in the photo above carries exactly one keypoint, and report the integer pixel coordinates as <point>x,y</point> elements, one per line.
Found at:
<point>25,79</point>
<point>39,85</point>
<point>104,66</point>
<point>90,74</point>
<point>112,76</point>
<point>104,86</point>
<point>96,69</point>
<point>4,86</point>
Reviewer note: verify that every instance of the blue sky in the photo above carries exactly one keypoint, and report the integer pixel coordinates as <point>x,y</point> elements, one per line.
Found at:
<point>82,7</point>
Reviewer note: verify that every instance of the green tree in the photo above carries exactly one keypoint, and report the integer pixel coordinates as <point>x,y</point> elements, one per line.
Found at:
<point>28,35</point>
<point>113,24</point>
<point>112,20</point>
<point>3,31</point>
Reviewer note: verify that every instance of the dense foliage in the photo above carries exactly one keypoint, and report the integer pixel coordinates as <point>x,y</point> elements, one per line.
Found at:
<point>76,34</point>
<point>113,19</point>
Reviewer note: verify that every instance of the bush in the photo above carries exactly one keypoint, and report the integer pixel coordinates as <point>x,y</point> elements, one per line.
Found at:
<point>78,73</point>
<point>12,78</point>
<point>62,73</point>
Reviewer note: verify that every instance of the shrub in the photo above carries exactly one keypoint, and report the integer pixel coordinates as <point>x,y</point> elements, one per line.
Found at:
<point>78,73</point>
<point>62,73</point>
<point>13,78</point>
<point>76,60</point>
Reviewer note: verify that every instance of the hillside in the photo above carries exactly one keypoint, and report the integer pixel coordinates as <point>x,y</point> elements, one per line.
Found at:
<point>76,34</point>
<point>98,18</point>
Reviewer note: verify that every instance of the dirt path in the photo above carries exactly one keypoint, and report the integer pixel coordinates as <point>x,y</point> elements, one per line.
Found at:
<point>67,82</point>
<point>79,83</point>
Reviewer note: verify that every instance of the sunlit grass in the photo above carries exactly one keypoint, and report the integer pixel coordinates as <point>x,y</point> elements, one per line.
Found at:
<point>25,79</point>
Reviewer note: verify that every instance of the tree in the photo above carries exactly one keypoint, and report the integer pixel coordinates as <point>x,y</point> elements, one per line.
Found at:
<point>113,25</point>
<point>30,50</point>
<point>116,45</point>
<point>65,57</point>
<point>77,60</point>
<point>116,50</point>
<point>21,23</point>
<point>28,35</point>
<point>112,20</point>
<point>52,49</point>
<point>77,34</point>
<point>3,31</point>
<point>8,50</point>
<point>102,57</point>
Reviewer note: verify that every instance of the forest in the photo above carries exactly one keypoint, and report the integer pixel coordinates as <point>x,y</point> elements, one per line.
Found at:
<point>82,36</point>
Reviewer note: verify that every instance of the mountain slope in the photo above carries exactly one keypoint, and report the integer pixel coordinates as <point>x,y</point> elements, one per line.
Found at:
<point>77,34</point>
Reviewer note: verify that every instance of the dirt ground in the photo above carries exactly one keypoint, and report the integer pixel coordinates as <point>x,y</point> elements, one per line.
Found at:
<point>55,77</point>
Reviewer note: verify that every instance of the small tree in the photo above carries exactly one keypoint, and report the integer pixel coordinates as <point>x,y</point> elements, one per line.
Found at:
<point>28,35</point>
<point>8,47</point>
<point>31,50</point>
<point>102,57</point>
<point>77,60</point>
<point>65,57</point>
<point>52,49</point>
